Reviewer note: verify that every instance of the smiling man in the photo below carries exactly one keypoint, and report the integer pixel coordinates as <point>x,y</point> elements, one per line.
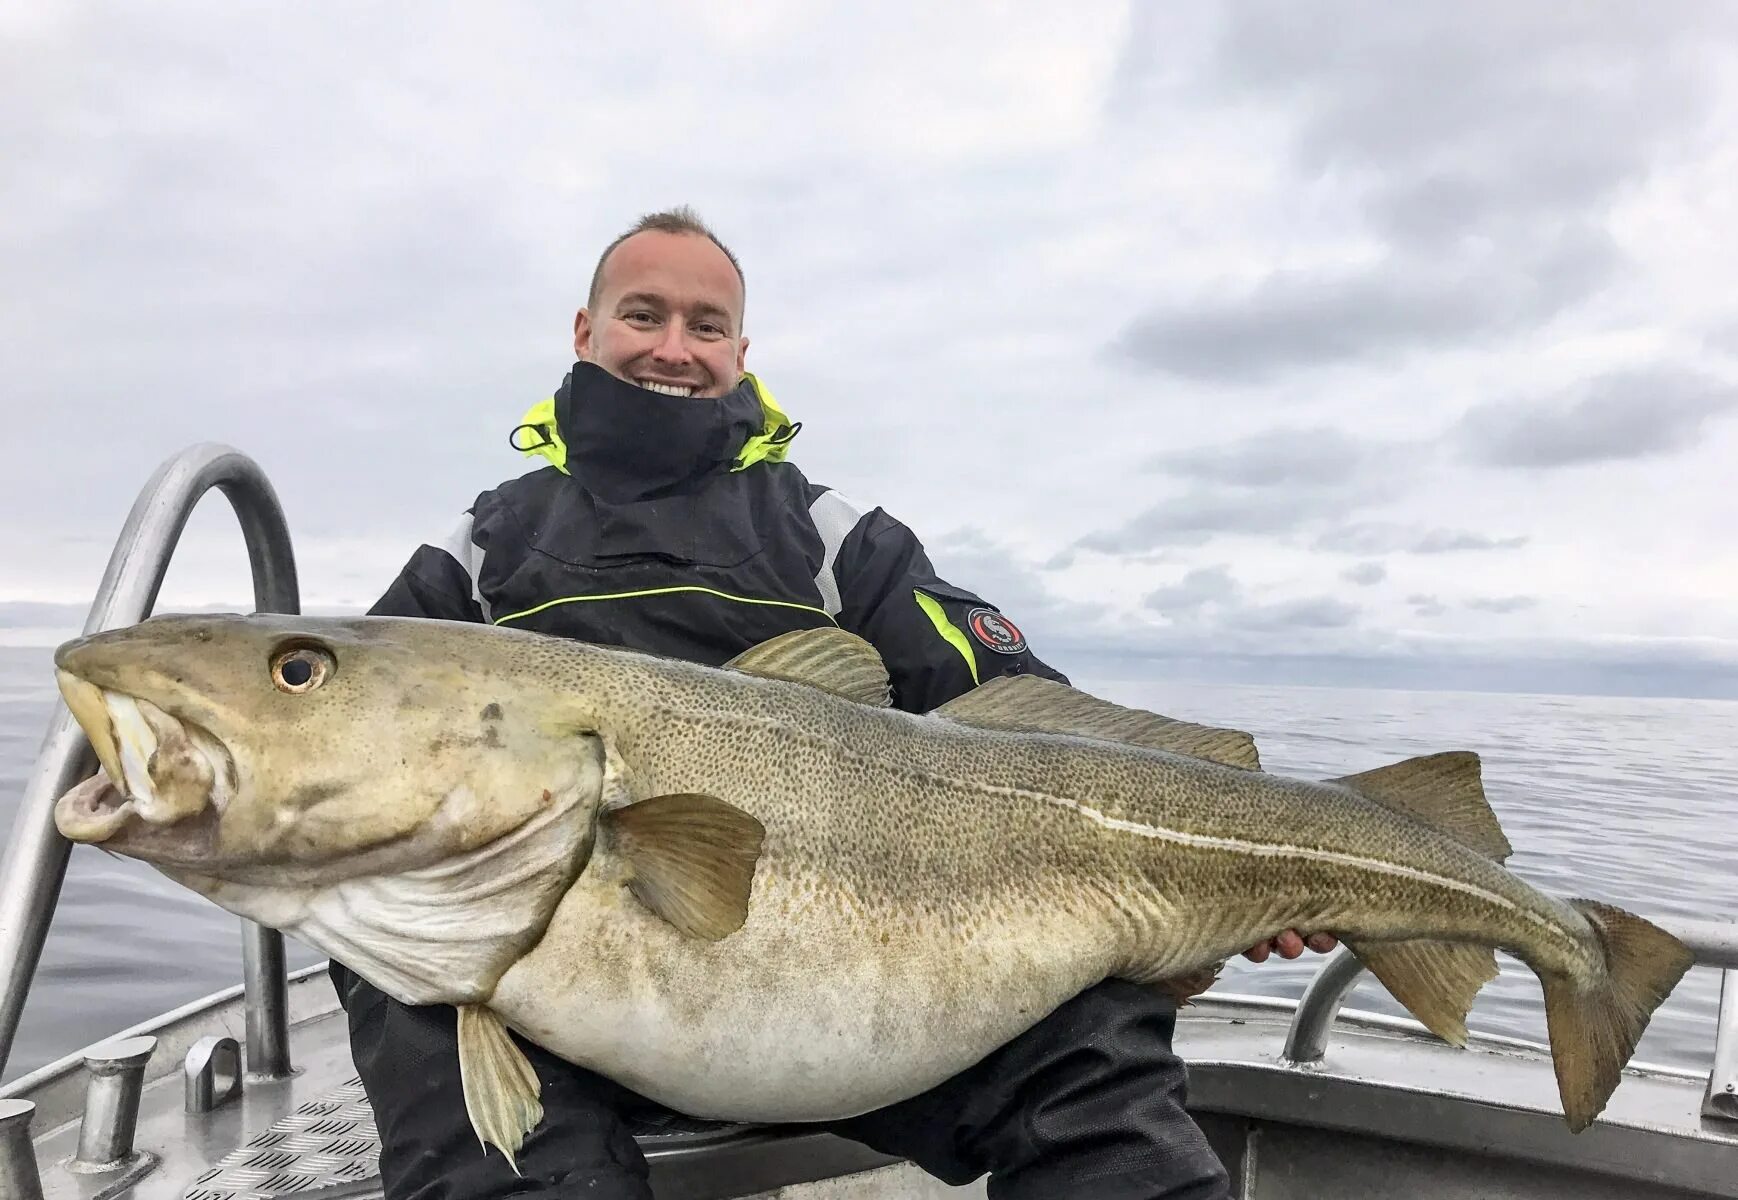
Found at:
<point>668,520</point>
<point>667,312</point>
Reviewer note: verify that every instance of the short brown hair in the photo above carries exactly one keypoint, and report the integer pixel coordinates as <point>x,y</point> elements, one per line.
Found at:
<point>680,219</point>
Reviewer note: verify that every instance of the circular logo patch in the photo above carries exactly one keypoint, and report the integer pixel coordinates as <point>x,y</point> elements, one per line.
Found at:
<point>995,631</point>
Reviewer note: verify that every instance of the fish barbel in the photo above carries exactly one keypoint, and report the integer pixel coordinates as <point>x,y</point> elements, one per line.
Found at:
<point>760,893</point>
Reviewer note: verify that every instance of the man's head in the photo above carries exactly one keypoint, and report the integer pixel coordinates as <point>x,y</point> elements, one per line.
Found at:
<point>665,309</point>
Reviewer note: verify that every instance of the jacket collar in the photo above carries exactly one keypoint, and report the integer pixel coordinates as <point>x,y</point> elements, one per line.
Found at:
<point>626,442</point>
<point>637,443</point>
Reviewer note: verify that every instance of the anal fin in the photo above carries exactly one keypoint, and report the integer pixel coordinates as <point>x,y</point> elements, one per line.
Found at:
<point>1435,981</point>
<point>501,1087</point>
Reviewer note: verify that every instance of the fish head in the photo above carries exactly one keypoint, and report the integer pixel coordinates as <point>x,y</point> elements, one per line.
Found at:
<point>271,747</point>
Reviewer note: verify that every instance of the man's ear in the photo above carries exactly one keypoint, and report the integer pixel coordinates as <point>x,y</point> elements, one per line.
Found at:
<point>741,356</point>
<point>582,334</point>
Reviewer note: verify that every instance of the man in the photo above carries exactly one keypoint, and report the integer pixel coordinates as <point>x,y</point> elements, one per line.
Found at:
<point>668,520</point>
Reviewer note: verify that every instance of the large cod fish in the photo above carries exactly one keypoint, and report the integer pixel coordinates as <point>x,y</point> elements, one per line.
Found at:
<point>758,893</point>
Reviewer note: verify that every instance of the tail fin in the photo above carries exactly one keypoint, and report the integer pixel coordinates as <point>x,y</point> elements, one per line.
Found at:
<point>1594,1028</point>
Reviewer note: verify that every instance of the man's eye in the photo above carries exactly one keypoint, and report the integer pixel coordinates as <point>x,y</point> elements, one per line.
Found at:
<point>640,318</point>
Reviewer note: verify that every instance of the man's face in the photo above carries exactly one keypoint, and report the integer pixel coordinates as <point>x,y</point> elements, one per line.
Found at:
<point>668,316</point>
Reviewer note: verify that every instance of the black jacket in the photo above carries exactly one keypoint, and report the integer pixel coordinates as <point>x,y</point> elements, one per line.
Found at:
<point>674,525</point>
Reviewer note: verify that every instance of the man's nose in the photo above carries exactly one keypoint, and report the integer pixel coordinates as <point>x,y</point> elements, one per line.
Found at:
<point>673,346</point>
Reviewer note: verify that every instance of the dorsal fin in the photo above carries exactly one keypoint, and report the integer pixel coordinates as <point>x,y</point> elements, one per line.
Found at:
<point>829,659</point>
<point>1033,704</point>
<point>1443,791</point>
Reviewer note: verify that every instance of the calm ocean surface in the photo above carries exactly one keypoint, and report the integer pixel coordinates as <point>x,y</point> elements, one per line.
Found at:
<point>1634,801</point>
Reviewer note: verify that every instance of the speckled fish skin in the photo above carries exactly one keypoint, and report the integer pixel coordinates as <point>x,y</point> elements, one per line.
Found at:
<point>926,890</point>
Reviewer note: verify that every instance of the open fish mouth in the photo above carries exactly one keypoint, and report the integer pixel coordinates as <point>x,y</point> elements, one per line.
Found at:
<point>155,767</point>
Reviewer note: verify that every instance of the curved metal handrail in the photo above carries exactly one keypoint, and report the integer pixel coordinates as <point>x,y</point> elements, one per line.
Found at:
<point>36,855</point>
<point>1714,943</point>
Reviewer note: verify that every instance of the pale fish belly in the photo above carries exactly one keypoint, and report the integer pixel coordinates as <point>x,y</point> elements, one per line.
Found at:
<point>804,1014</point>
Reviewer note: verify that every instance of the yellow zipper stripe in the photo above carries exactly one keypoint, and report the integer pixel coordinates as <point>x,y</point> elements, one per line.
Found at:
<point>664,592</point>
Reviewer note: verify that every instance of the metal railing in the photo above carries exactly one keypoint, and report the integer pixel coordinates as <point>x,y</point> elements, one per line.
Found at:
<point>36,856</point>
<point>1714,943</point>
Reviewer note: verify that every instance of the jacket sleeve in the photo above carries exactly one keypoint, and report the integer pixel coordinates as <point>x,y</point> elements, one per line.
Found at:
<point>438,583</point>
<point>938,640</point>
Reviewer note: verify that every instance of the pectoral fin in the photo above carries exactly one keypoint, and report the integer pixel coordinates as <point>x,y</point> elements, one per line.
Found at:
<point>692,859</point>
<point>501,1088</point>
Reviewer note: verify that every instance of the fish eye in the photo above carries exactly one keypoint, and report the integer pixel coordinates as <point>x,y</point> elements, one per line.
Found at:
<point>298,669</point>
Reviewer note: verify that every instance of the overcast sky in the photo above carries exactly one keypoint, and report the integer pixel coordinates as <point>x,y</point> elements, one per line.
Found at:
<point>1324,343</point>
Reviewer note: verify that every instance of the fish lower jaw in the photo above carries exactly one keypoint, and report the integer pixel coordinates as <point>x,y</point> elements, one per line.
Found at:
<point>93,811</point>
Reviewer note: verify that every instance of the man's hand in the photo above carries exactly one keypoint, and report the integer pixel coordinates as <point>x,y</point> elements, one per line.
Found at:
<point>1290,944</point>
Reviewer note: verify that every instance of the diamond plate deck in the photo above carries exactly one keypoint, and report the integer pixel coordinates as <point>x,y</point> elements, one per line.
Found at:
<point>326,1146</point>
<point>329,1147</point>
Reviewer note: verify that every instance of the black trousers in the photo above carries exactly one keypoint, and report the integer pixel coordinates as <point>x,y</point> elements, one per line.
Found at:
<point>1087,1104</point>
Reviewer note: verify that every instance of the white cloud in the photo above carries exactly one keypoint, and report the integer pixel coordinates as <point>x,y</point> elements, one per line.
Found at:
<point>1351,240</point>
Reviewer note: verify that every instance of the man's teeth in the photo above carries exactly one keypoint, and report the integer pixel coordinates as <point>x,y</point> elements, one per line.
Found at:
<point>667,389</point>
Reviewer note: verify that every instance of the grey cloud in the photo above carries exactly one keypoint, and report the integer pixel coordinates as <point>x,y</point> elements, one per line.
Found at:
<point>1365,574</point>
<point>1316,640</point>
<point>1502,604</point>
<point>1623,415</point>
<point>1318,612</point>
<point>1294,319</point>
<point>1208,598</point>
<point>1448,541</point>
<point>1480,111</point>
<point>1273,482</point>
<point>1273,458</point>
<point>1196,517</point>
<point>1374,537</point>
<point>1199,587</point>
<point>1069,555</point>
<point>1487,143</point>
<point>1206,605</point>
